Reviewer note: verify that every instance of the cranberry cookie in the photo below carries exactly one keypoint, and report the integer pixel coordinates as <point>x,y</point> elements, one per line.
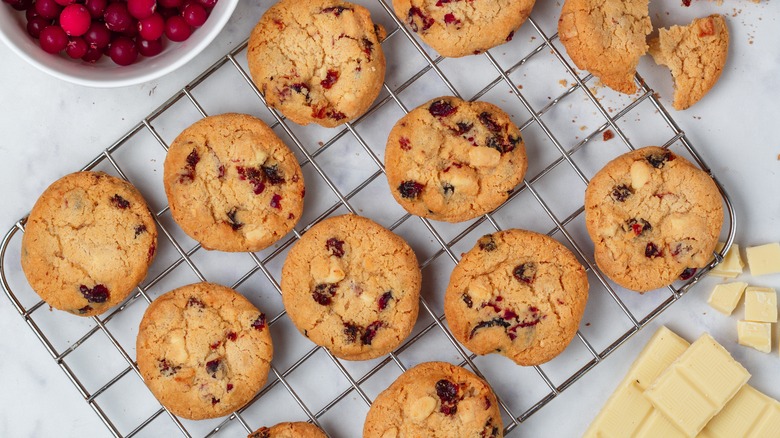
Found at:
<point>203,350</point>
<point>607,38</point>
<point>352,286</point>
<point>88,242</point>
<point>289,430</point>
<point>452,160</point>
<point>517,293</point>
<point>696,54</point>
<point>457,28</point>
<point>317,60</point>
<point>653,217</point>
<point>435,400</point>
<point>232,184</point>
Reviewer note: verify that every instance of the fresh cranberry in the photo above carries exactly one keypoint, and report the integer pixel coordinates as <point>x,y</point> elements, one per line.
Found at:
<point>35,25</point>
<point>149,47</point>
<point>98,294</point>
<point>151,27</point>
<point>410,189</point>
<point>48,9</point>
<point>330,79</point>
<point>98,36</point>
<point>76,48</point>
<point>335,246</point>
<point>96,8</point>
<point>442,108</point>
<point>75,20</point>
<point>117,17</point>
<point>194,14</point>
<point>208,4</point>
<point>53,39</point>
<point>123,51</point>
<point>384,300</point>
<point>141,9</point>
<point>65,2</point>
<point>169,3</point>
<point>621,193</point>
<point>177,29</point>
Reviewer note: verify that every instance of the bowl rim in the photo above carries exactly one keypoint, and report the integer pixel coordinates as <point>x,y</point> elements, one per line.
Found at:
<point>194,50</point>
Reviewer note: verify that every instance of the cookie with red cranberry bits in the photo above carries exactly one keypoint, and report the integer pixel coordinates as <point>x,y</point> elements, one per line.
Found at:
<point>289,430</point>
<point>517,293</point>
<point>317,61</point>
<point>452,160</point>
<point>232,184</point>
<point>607,38</point>
<point>456,28</point>
<point>88,242</point>
<point>352,287</point>
<point>653,217</point>
<point>203,350</point>
<point>435,400</point>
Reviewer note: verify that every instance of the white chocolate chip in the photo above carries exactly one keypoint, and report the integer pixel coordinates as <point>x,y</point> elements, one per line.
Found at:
<point>327,270</point>
<point>484,157</point>
<point>422,408</point>
<point>390,433</point>
<point>177,350</point>
<point>464,180</point>
<point>640,174</point>
<point>479,290</point>
<point>255,233</point>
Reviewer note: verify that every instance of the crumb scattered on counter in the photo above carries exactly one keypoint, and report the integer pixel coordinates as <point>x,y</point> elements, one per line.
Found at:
<point>608,135</point>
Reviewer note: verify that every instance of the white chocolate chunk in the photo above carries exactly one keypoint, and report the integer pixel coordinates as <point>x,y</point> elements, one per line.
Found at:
<point>760,304</point>
<point>421,408</point>
<point>640,174</point>
<point>484,157</point>
<point>725,297</point>
<point>764,259</point>
<point>732,264</point>
<point>756,335</point>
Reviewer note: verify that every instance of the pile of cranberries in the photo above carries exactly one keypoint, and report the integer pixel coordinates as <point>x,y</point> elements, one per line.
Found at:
<point>120,29</point>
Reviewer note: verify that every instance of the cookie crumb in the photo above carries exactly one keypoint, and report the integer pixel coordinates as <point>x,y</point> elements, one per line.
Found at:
<point>608,135</point>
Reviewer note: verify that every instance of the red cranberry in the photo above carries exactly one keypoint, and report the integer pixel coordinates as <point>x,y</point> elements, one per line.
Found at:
<point>177,29</point>
<point>410,189</point>
<point>166,369</point>
<point>151,27</point>
<point>405,144</point>
<point>118,18</point>
<point>140,229</point>
<point>169,3</point>
<point>335,246</point>
<point>639,226</point>
<point>208,4</point>
<point>75,20</point>
<point>20,5</point>
<point>450,19</point>
<point>96,8</point>
<point>98,36</point>
<point>652,251</point>
<point>212,366</point>
<point>77,48</point>
<point>621,193</point>
<point>442,108</point>
<point>48,9</point>
<point>235,224</point>
<point>273,174</point>
<point>254,176</point>
<point>687,273</point>
<point>259,322</point>
<point>495,322</point>
<point>323,293</point>
<point>35,25</point>
<point>448,394</point>
<point>384,300</point>
<point>149,47</point>
<point>335,10</point>
<point>98,294</point>
<point>425,20</point>
<point>330,79</point>
<point>194,14</point>
<point>231,336</point>
<point>525,272</point>
<point>487,243</point>
<point>65,2</point>
<point>93,54</point>
<point>487,120</point>
<point>123,51</point>
<point>658,160</point>
<point>463,128</point>
<point>276,201</point>
<point>229,387</point>
<point>141,9</point>
<point>351,331</point>
<point>53,39</point>
<point>214,401</point>
<point>510,36</point>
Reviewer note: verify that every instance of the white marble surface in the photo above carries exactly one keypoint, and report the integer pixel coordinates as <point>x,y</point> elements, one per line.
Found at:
<point>51,128</point>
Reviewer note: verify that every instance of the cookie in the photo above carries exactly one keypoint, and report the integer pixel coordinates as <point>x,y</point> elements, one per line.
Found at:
<point>289,430</point>
<point>232,184</point>
<point>452,160</point>
<point>317,61</point>
<point>435,400</point>
<point>653,217</point>
<point>88,242</point>
<point>696,54</point>
<point>203,350</point>
<point>517,293</point>
<point>458,28</point>
<point>352,287</point>
<point>607,38</point>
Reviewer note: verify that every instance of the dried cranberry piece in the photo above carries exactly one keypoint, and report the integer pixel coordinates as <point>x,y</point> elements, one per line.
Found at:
<point>639,226</point>
<point>189,169</point>
<point>621,193</point>
<point>467,299</point>
<point>463,128</point>
<point>487,243</point>
<point>335,10</point>
<point>448,394</point>
<point>330,79</point>
<point>410,189</point>
<point>139,229</point>
<point>255,177</point>
<point>229,387</point>
<point>194,302</point>
<point>686,3</point>
<point>276,201</point>
<point>510,36</point>
<point>681,249</point>
<point>231,336</point>
<point>447,188</point>
<point>84,309</point>
<point>384,300</point>
<point>166,369</point>
<point>608,135</point>
<point>235,224</point>
<point>487,119</point>
<point>335,246</point>
<point>652,251</point>
<point>687,273</point>
<point>352,331</point>
<point>323,293</point>
<point>450,19</point>
<point>221,171</point>
<point>150,253</point>
<point>658,160</point>
<point>212,366</point>
<point>495,322</point>
<point>525,272</point>
<point>442,108</point>
<point>509,314</point>
<point>370,332</point>
<point>273,175</point>
<point>259,322</point>
<point>214,401</point>
<point>120,202</point>
<point>368,46</point>
<point>405,144</point>
<point>193,158</point>
<point>98,294</point>
<point>426,21</point>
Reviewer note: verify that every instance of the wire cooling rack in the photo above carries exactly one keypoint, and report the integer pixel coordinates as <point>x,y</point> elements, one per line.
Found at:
<point>548,98</point>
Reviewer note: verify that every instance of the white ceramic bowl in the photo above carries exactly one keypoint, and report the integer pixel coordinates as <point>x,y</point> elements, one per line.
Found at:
<point>104,73</point>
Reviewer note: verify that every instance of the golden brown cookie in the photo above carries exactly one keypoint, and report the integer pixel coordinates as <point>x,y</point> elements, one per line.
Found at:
<point>203,350</point>
<point>232,184</point>
<point>317,60</point>
<point>352,286</point>
<point>607,38</point>
<point>653,217</point>
<point>289,430</point>
<point>696,54</point>
<point>458,28</point>
<point>435,400</point>
<point>517,293</point>
<point>88,242</point>
<point>451,160</point>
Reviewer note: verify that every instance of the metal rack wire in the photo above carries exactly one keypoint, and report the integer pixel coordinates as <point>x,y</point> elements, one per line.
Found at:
<point>441,241</point>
